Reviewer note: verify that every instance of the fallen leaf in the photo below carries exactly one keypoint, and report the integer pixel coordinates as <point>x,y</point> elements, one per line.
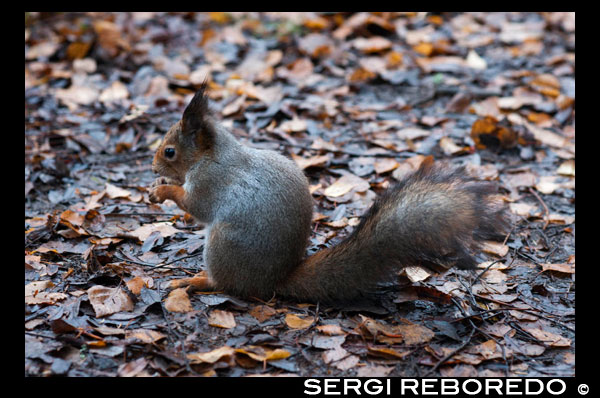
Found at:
<point>259,353</point>
<point>416,274</point>
<point>144,335</point>
<point>548,338</point>
<point>567,168</point>
<point>348,182</point>
<point>496,248</point>
<point>114,192</point>
<point>475,61</point>
<point>221,319</point>
<point>372,44</point>
<point>211,356</point>
<point>347,363</point>
<point>106,300</point>
<point>262,312</point>
<point>330,330</point>
<point>143,232</point>
<point>296,322</point>
<point>374,371</point>
<point>313,161</point>
<point>564,268</point>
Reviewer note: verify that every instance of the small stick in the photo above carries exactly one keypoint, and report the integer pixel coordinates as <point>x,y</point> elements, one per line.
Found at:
<point>547,216</point>
<point>447,357</point>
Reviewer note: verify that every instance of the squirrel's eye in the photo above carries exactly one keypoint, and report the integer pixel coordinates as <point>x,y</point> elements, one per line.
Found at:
<point>169,152</point>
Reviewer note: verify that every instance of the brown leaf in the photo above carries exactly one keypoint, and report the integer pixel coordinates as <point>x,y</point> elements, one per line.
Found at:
<point>144,335</point>
<point>348,182</point>
<point>262,312</point>
<point>178,301</point>
<point>106,301</point>
<point>547,337</point>
<point>388,353</point>
<point>221,319</point>
<point>496,248</point>
<point>211,356</point>
<point>313,161</point>
<point>564,268</point>
<point>330,329</point>
<point>259,353</point>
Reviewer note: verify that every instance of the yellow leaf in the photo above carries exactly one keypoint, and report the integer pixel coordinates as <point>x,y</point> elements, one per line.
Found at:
<point>211,356</point>
<point>295,322</point>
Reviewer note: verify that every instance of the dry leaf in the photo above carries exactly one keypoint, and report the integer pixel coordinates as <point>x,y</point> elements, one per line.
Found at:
<point>567,168</point>
<point>335,354</point>
<point>106,301</point>
<point>564,268</point>
<point>372,44</point>
<point>296,322</point>
<point>262,312</point>
<point>114,191</point>
<point>496,248</point>
<point>144,335</point>
<point>221,319</point>
<point>385,165</point>
<point>348,182</point>
<point>178,301</point>
<point>211,356</point>
<point>143,232</point>
<point>548,338</point>
<point>416,274</point>
<point>330,330</point>
<point>261,354</point>
<point>374,371</point>
<point>388,353</point>
<point>347,363</point>
<point>313,161</point>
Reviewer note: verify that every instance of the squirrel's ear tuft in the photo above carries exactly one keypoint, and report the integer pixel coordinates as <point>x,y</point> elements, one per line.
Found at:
<point>197,114</point>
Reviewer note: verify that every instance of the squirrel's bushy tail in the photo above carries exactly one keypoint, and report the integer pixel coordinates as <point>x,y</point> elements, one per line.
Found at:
<point>435,216</point>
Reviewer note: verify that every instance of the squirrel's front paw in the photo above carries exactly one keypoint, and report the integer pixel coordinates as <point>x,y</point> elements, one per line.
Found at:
<point>164,181</point>
<point>157,194</point>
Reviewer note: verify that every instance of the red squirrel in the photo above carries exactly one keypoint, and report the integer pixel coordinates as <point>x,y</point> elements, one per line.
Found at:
<point>258,211</point>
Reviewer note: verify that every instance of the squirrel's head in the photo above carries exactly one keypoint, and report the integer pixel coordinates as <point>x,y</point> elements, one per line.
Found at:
<point>188,140</point>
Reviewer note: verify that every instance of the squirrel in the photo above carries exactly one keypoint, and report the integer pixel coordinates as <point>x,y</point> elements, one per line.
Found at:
<point>258,211</point>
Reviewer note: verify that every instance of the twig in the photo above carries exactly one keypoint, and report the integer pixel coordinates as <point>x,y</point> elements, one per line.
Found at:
<point>483,272</point>
<point>161,265</point>
<point>547,215</point>
<point>484,333</point>
<point>447,357</point>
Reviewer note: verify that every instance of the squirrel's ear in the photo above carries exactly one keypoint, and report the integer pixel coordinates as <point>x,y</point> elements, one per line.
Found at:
<point>196,117</point>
